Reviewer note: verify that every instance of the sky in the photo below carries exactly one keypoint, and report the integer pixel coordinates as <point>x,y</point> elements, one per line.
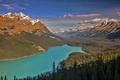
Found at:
<point>59,15</point>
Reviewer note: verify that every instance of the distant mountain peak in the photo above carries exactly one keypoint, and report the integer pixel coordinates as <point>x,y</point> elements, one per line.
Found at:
<point>107,28</point>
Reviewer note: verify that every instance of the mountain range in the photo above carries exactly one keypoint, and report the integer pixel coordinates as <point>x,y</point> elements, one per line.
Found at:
<point>109,30</point>
<point>21,36</point>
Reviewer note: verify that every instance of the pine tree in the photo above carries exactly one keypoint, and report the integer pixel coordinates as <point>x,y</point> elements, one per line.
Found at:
<point>14,77</point>
<point>76,74</point>
<point>101,74</point>
<point>5,77</point>
<point>58,73</point>
<point>100,71</point>
<point>33,78</point>
<point>1,77</point>
<point>99,58</point>
<point>53,78</point>
<point>63,70</point>
<point>93,77</point>
<point>116,76</point>
<point>41,75</point>
<point>38,77</point>
<point>108,73</point>
<point>75,65</point>
<point>84,75</point>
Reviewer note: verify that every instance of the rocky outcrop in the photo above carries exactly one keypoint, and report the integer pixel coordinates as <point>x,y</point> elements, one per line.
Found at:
<point>38,48</point>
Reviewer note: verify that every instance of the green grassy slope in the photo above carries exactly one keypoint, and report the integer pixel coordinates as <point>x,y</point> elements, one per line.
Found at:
<point>22,45</point>
<point>92,46</point>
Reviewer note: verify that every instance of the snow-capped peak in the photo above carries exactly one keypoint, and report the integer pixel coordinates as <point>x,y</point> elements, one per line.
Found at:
<point>21,14</point>
<point>8,14</point>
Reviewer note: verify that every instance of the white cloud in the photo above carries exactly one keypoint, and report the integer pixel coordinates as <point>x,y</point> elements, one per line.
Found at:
<point>115,20</point>
<point>12,6</point>
<point>118,13</point>
<point>93,21</point>
<point>17,7</point>
<point>8,6</point>
<point>97,21</point>
<point>68,16</point>
<point>85,15</point>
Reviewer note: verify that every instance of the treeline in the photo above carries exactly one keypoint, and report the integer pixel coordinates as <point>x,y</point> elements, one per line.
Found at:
<point>99,69</point>
<point>82,58</point>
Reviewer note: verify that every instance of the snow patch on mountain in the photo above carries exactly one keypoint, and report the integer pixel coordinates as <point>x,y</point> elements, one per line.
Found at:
<point>54,38</point>
<point>22,16</point>
<point>34,22</point>
<point>26,17</point>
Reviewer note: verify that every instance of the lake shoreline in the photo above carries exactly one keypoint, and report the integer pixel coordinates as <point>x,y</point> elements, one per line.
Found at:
<point>27,55</point>
<point>35,54</point>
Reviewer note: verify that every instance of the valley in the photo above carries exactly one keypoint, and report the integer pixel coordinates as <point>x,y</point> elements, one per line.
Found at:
<point>59,39</point>
<point>22,38</point>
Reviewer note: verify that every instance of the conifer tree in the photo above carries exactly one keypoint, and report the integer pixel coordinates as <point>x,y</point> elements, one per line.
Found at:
<point>116,75</point>
<point>41,75</point>
<point>53,77</point>
<point>75,65</point>
<point>58,74</point>
<point>14,77</point>
<point>5,77</point>
<point>76,76</point>
<point>63,70</point>
<point>84,75</point>
<point>33,78</point>
<point>38,77</point>
<point>99,58</point>
<point>108,73</point>
<point>93,77</point>
<point>1,77</point>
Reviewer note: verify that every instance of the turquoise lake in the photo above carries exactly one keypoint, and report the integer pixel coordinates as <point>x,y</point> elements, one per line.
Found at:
<point>37,64</point>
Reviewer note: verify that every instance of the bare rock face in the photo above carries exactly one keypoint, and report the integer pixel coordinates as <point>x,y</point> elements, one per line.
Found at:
<point>12,24</point>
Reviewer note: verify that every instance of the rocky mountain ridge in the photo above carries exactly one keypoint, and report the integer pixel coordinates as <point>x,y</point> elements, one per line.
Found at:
<point>16,23</point>
<point>104,29</point>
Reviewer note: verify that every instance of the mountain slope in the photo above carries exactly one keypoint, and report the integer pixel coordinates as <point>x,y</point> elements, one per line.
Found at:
<point>110,30</point>
<point>19,37</point>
